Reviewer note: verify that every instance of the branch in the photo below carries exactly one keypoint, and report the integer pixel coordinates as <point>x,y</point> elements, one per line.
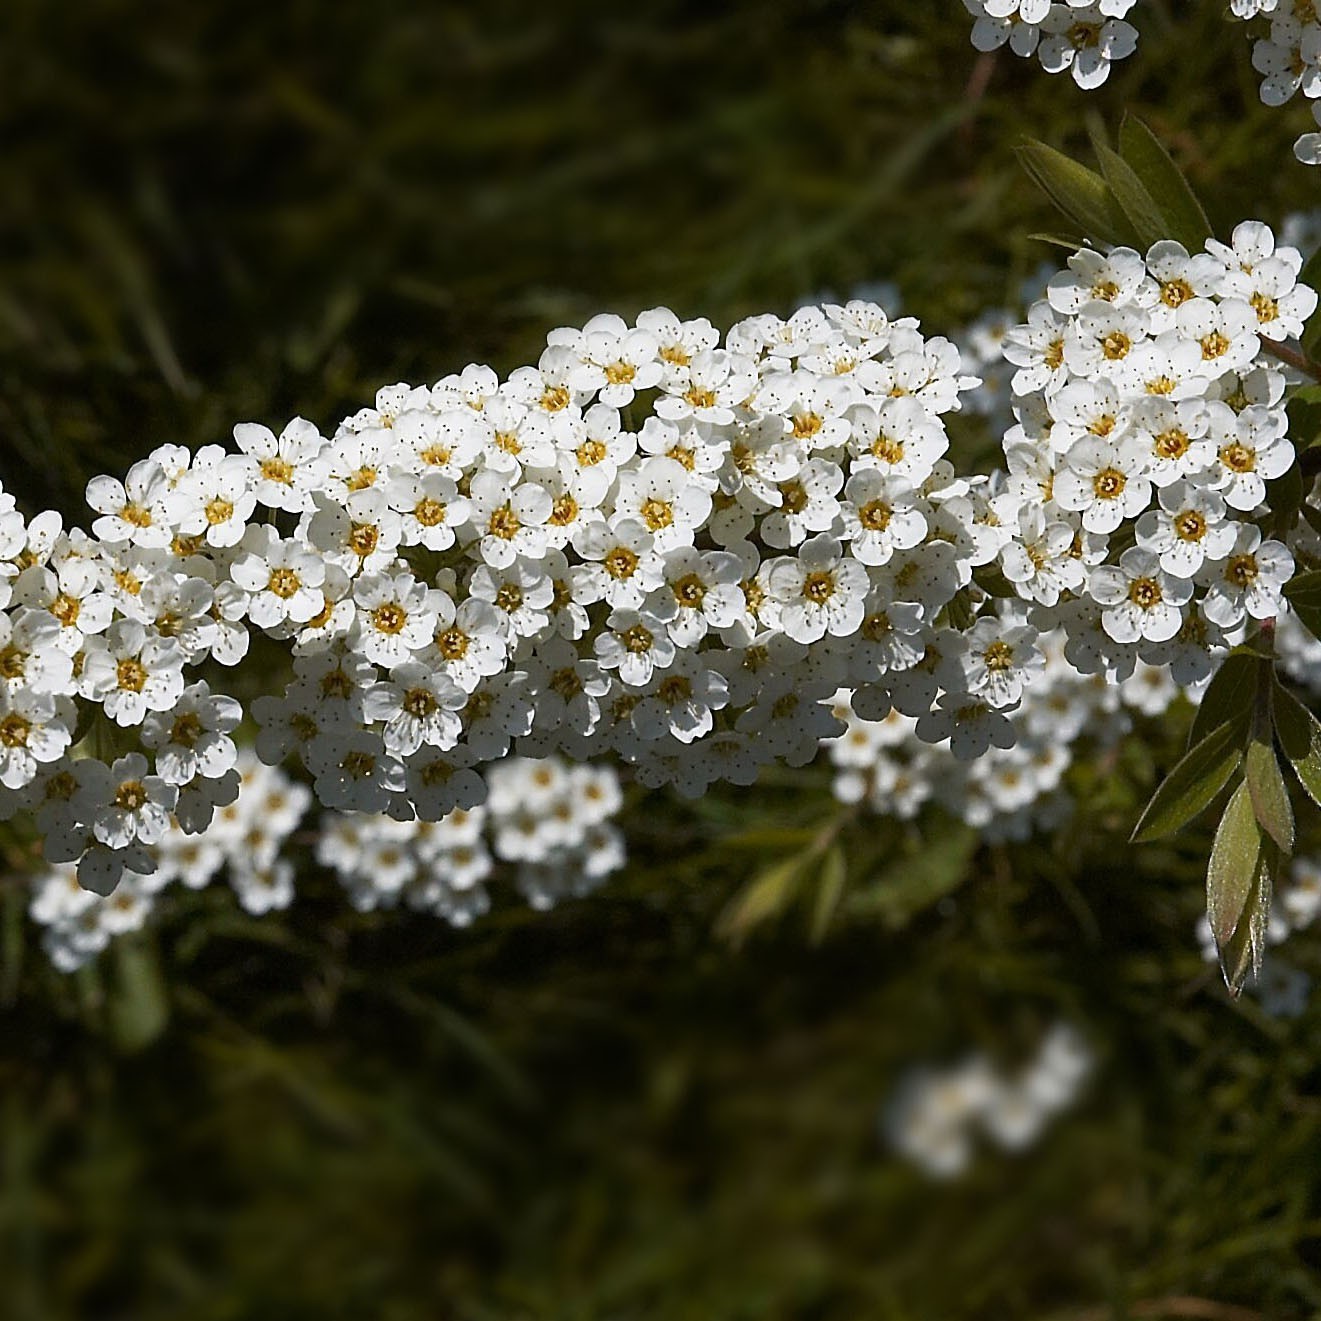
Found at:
<point>1293,357</point>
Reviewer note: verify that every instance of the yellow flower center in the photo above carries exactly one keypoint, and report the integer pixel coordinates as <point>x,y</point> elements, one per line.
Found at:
<point>131,675</point>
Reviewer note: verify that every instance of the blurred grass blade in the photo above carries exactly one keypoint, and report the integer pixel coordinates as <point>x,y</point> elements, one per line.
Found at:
<point>1191,786</point>
<point>1184,217</point>
<point>767,895</point>
<point>829,891</point>
<point>137,1005</point>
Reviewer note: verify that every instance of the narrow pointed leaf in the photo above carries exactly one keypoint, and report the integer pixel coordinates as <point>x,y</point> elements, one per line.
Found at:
<point>1242,953</point>
<point>1080,193</point>
<point>1299,733</point>
<point>1134,199</point>
<point>1230,696</point>
<point>1270,797</point>
<point>1183,215</point>
<point>1192,785</point>
<point>1232,869</point>
<point>1069,244</point>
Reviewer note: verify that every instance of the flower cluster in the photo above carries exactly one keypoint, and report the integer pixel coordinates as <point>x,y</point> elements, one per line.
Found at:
<point>245,841</point>
<point>1010,793</point>
<point>691,553</point>
<point>1081,36</point>
<point>936,1114</point>
<point>483,565</point>
<point>1288,58</point>
<point>551,823</point>
<point>1151,416</point>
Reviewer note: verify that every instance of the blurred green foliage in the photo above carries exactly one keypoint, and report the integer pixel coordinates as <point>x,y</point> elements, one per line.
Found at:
<point>214,212</point>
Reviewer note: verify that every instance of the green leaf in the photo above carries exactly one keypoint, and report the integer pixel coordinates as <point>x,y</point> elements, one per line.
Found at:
<point>1299,733</point>
<point>1311,275</point>
<point>1304,410</point>
<point>1270,797</point>
<point>1182,213</point>
<point>1230,696</point>
<point>1192,785</point>
<point>1065,241</point>
<point>1309,616</point>
<point>1232,868</point>
<point>1284,498</point>
<point>1134,199</point>
<point>1082,194</point>
<point>829,891</point>
<point>1241,953</point>
<point>1304,589</point>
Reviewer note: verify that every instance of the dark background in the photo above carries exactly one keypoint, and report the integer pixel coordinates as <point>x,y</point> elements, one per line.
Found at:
<point>214,212</point>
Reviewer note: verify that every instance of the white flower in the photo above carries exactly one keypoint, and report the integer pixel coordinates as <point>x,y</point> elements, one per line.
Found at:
<point>191,738</point>
<point>1251,450</point>
<point>287,468</point>
<point>880,515</point>
<point>807,504</point>
<point>1084,41</point>
<point>136,672</point>
<point>283,578</point>
<point>661,495</point>
<point>1040,561</point>
<point>35,730</point>
<point>353,770</point>
<point>820,590</point>
<point>396,616</point>
<point>215,498</point>
<point>681,700</point>
<point>1105,482</point>
<point>1226,332</point>
<point>418,706</point>
<point>1001,658</point>
<point>133,510</point>
<point>508,520</point>
<point>699,592</point>
<point>622,565</point>
<point>1142,600</point>
<point>429,507</point>
<point>1249,579</point>
<point>971,724</point>
<point>123,803</point>
<point>635,645</point>
<point>1188,529</point>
